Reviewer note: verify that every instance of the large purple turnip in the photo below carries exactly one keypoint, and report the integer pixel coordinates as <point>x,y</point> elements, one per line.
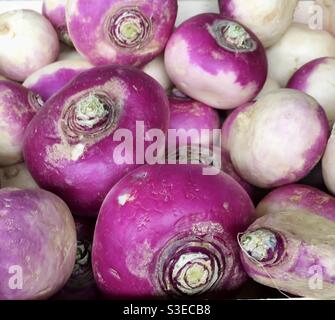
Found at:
<point>70,147</point>
<point>170,230</point>
<point>18,106</point>
<point>28,42</point>
<point>278,139</point>
<point>114,31</point>
<point>216,61</point>
<point>291,246</point>
<point>38,244</point>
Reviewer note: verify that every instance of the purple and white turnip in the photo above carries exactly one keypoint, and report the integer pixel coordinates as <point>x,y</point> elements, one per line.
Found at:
<point>268,19</point>
<point>278,139</point>
<point>112,31</point>
<point>28,42</point>
<point>73,146</point>
<point>169,230</point>
<point>18,106</point>
<point>291,246</point>
<point>38,244</point>
<point>216,61</point>
<point>47,81</point>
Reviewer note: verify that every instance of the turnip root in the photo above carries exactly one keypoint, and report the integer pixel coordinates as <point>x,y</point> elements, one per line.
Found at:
<point>169,230</point>
<point>17,176</point>
<point>278,139</point>
<point>112,31</point>
<point>216,61</point>
<point>70,147</point>
<point>38,244</point>
<point>18,106</point>
<point>28,42</point>
<point>317,78</point>
<point>291,246</point>
<point>156,69</point>
<point>299,45</point>
<point>50,79</point>
<point>267,19</point>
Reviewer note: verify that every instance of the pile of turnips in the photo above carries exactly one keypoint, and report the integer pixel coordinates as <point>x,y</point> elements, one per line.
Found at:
<point>244,191</point>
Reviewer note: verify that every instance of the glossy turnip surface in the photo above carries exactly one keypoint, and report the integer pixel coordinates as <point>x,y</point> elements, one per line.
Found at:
<point>38,244</point>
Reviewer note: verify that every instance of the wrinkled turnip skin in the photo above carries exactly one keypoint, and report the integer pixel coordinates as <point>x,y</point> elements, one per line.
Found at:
<point>153,206</point>
<point>38,234</point>
<point>83,171</point>
<point>156,69</point>
<point>28,41</point>
<point>304,217</point>
<point>268,19</point>
<point>299,45</point>
<point>86,22</point>
<point>279,139</point>
<point>328,168</point>
<point>16,111</point>
<point>17,176</point>
<point>317,79</point>
<point>208,72</point>
<point>54,11</point>
<point>50,79</point>
<point>188,114</point>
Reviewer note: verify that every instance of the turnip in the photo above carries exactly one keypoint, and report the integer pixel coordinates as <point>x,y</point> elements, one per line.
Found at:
<point>70,147</point>
<point>216,61</point>
<point>170,230</point>
<point>54,11</point>
<point>267,19</point>
<point>195,120</point>
<point>50,79</point>
<point>18,106</point>
<point>38,244</point>
<point>112,31</point>
<point>278,139</point>
<point>328,168</point>
<point>317,78</point>
<point>67,53</point>
<point>269,86</point>
<point>156,69</point>
<point>28,42</point>
<point>81,285</point>
<point>299,45</point>
<point>17,176</point>
<point>328,14</point>
<point>291,246</point>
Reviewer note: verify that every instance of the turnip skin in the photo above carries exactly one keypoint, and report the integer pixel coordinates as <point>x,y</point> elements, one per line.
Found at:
<point>100,39</point>
<point>279,139</point>
<point>17,176</point>
<point>302,218</point>
<point>54,11</point>
<point>209,72</point>
<point>18,106</point>
<point>157,210</point>
<point>269,86</point>
<point>28,41</point>
<point>299,45</point>
<point>65,157</point>
<point>269,20</point>
<point>37,234</point>
<point>317,79</point>
<point>50,79</point>
<point>328,168</point>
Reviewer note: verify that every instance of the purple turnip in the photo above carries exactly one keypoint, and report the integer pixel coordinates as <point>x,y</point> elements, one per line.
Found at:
<point>17,176</point>
<point>291,246</point>
<point>28,42</point>
<point>267,19</point>
<point>38,244</point>
<point>317,78</point>
<point>54,11</point>
<point>170,230</point>
<point>112,31</point>
<point>299,45</point>
<point>278,139</point>
<point>50,79</point>
<point>18,106</point>
<point>216,61</point>
<point>70,147</point>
